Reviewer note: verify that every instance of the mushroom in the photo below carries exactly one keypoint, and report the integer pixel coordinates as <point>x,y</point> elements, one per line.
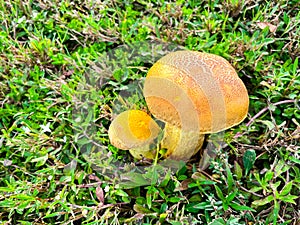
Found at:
<point>134,130</point>
<point>195,94</point>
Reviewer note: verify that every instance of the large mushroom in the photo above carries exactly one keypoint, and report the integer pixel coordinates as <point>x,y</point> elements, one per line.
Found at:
<point>194,94</point>
<point>134,130</point>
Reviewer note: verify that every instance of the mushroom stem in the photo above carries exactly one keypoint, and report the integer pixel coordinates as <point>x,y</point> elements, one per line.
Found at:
<point>181,144</point>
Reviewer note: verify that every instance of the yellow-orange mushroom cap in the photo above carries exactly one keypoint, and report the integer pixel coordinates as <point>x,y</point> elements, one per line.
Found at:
<point>132,129</point>
<point>195,93</point>
<point>216,94</point>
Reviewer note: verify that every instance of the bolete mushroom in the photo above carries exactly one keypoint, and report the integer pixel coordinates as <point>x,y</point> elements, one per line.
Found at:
<point>134,130</point>
<point>194,93</point>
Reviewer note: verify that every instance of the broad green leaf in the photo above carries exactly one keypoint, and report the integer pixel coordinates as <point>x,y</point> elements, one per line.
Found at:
<point>219,193</point>
<point>7,189</point>
<point>230,181</point>
<point>256,189</point>
<point>162,217</point>
<point>295,160</point>
<point>8,203</point>
<point>53,215</point>
<point>225,205</point>
<point>218,221</point>
<point>275,185</point>
<point>268,123</point>
<point>141,209</point>
<point>275,212</point>
<point>166,179</point>
<point>239,207</point>
<point>201,205</point>
<point>163,208</point>
<point>238,170</point>
<point>263,201</point>
<point>295,66</point>
<point>120,192</point>
<point>195,198</point>
<point>23,197</point>
<point>24,222</point>
<point>194,207</point>
<point>256,175</point>
<point>175,199</point>
<point>280,168</point>
<point>149,200</point>
<point>231,196</point>
<point>24,204</point>
<point>40,160</point>
<point>162,193</point>
<point>249,159</point>
<point>268,176</point>
<point>289,198</point>
<point>132,179</point>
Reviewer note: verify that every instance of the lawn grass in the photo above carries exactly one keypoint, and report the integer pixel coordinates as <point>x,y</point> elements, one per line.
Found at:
<point>66,69</point>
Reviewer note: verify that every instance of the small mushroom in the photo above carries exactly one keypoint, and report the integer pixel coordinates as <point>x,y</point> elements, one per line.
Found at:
<point>134,130</point>
<point>194,93</point>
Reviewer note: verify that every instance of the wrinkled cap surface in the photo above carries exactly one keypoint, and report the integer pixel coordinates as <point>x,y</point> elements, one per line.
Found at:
<point>196,91</point>
<point>131,129</point>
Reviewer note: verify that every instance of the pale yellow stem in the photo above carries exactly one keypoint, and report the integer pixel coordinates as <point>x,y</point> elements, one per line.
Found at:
<point>180,144</point>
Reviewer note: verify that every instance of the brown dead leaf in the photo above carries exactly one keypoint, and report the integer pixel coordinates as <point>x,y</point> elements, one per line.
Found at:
<point>184,185</point>
<point>94,177</point>
<point>100,194</point>
<point>263,25</point>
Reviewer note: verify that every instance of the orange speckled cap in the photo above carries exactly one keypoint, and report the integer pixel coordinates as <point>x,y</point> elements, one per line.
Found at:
<point>131,129</point>
<point>196,91</point>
